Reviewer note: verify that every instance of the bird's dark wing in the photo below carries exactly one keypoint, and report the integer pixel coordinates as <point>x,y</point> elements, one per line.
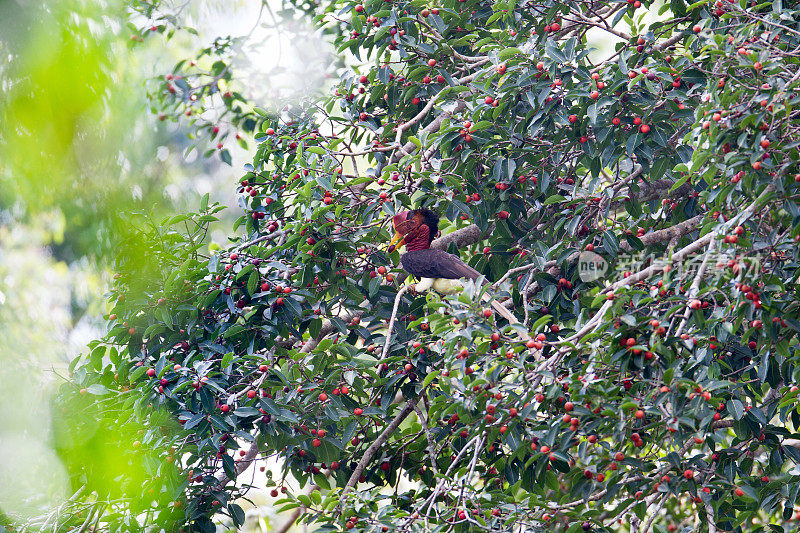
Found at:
<point>436,264</point>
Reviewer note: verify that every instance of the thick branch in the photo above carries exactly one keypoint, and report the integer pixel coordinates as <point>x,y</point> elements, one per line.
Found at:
<point>662,189</point>
<point>699,244</point>
<point>461,237</point>
<point>693,290</point>
<point>432,127</point>
<point>663,235</point>
<point>383,437</point>
<point>712,526</point>
<point>669,42</point>
<point>667,234</point>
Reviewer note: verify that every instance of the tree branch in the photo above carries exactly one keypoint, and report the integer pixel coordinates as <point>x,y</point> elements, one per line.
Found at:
<point>667,234</point>
<point>432,127</point>
<point>388,341</point>
<point>295,514</point>
<point>461,237</point>
<point>383,437</point>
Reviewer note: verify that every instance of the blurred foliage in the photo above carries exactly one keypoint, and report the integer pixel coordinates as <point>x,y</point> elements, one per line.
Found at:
<point>223,94</point>
<point>35,322</point>
<point>73,140</point>
<point>78,159</point>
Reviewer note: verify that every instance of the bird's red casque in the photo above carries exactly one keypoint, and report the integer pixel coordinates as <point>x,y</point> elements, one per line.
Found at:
<point>416,234</point>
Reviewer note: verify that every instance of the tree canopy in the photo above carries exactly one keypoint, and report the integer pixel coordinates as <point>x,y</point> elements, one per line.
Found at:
<point>636,210</point>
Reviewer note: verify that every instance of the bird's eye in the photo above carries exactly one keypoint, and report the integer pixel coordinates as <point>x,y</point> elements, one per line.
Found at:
<point>408,215</point>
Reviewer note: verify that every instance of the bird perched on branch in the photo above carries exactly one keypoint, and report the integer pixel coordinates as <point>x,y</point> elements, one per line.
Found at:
<point>434,268</point>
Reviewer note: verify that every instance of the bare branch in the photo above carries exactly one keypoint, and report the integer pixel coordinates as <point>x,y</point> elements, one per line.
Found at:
<point>383,437</point>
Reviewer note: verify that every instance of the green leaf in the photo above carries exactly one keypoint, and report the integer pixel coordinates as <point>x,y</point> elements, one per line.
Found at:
<point>697,4</point>
<point>549,293</point>
<point>430,377</point>
<point>552,50</point>
<point>205,525</point>
<point>598,300</point>
<point>322,482</point>
<point>680,182</point>
<point>233,330</point>
<point>229,466</point>
<point>591,112</point>
<point>736,408</point>
<point>237,514</point>
<point>506,53</point>
<point>97,389</point>
<point>541,322</point>
<point>137,373</point>
<point>481,125</point>
<point>294,306</point>
<point>315,327</point>
<point>633,142</point>
<point>252,283</point>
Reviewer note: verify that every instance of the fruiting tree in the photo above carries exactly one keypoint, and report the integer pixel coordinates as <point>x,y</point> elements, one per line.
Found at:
<point>658,394</point>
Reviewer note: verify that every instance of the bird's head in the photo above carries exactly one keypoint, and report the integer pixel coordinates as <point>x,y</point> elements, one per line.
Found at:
<point>415,229</point>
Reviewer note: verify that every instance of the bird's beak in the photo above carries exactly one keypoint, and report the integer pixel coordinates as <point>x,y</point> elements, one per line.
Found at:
<point>395,243</point>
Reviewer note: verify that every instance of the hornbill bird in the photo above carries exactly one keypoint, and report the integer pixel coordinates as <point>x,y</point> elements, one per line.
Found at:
<point>435,268</point>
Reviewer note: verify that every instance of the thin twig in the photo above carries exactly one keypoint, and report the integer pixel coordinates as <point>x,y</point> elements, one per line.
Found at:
<point>397,299</point>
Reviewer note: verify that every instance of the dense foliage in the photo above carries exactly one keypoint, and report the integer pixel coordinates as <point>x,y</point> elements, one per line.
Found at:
<point>659,396</point>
